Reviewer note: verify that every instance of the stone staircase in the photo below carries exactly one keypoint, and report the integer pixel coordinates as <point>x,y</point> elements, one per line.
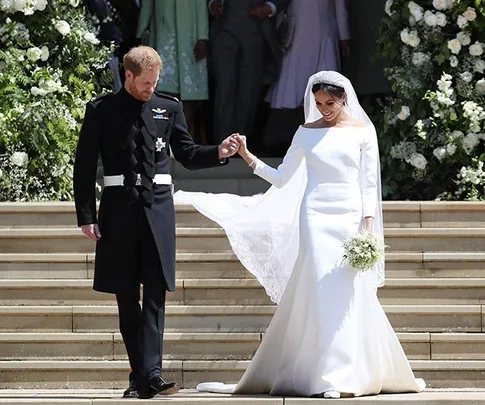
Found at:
<point>57,333</point>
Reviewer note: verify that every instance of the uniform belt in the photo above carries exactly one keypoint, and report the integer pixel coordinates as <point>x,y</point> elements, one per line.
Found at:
<point>118,180</point>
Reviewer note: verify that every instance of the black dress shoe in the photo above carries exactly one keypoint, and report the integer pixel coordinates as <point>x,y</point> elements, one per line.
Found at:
<point>131,391</point>
<point>158,386</point>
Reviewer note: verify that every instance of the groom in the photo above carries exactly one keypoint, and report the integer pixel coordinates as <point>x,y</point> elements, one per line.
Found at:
<point>133,132</point>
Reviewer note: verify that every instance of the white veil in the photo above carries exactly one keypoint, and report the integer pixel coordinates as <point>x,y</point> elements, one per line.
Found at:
<point>263,230</point>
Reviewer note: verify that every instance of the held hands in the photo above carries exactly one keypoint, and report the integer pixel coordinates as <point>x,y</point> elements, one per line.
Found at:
<point>91,231</point>
<point>228,147</point>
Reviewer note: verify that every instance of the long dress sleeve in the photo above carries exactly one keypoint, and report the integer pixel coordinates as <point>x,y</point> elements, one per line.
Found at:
<point>202,17</point>
<point>280,176</point>
<point>369,172</point>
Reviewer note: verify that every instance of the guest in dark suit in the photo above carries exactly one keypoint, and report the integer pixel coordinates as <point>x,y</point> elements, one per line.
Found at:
<point>133,131</point>
<point>244,57</point>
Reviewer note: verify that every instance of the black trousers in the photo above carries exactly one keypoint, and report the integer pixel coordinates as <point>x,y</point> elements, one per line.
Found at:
<point>142,327</point>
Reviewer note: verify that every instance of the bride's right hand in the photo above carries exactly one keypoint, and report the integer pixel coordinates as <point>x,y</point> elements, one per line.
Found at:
<point>243,146</point>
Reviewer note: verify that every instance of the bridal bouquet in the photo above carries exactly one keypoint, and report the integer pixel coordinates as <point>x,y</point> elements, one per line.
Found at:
<point>363,251</point>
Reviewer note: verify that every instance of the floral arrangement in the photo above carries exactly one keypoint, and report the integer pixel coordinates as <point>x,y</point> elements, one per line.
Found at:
<point>51,64</point>
<point>432,130</point>
<point>362,251</point>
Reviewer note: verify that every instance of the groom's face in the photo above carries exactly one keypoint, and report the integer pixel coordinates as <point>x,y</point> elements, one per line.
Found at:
<point>143,85</point>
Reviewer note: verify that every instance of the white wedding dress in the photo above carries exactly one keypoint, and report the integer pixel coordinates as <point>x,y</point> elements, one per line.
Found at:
<point>329,332</point>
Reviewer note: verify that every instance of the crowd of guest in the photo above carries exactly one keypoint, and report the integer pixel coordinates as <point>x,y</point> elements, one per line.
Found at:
<point>237,65</point>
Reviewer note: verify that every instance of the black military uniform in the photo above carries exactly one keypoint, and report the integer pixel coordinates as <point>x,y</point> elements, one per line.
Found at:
<point>136,219</point>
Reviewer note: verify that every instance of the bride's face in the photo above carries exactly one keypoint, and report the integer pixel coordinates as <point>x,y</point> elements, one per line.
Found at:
<point>329,106</point>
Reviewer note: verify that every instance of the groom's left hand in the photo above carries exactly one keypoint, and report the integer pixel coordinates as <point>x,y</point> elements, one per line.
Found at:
<point>228,147</point>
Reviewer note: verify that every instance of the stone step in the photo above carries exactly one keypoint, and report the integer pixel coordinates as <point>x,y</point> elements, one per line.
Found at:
<point>414,214</point>
<point>235,318</point>
<point>76,374</point>
<point>213,346</point>
<point>225,265</point>
<point>432,396</point>
<point>430,291</point>
<point>70,240</point>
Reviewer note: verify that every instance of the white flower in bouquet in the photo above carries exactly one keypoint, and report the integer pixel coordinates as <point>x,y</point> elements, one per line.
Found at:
<point>470,14</point>
<point>469,142</point>
<point>363,251</point>
<point>420,58</point>
<point>90,37</point>
<point>405,35</point>
<point>44,53</point>
<point>416,10</point>
<point>464,38</point>
<point>412,21</point>
<point>461,21</point>
<point>19,158</point>
<point>418,161</point>
<point>479,66</point>
<point>457,134</point>
<point>404,113</point>
<point>476,49</point>
<point>34,54</point>
<point>453,61</point>
<point>451,149</point>
<point>441,20</point>
<point>414,39</point>
<point>453,114</point>
<point>454,46</point>
<point>480,86</point>
<point>442,4</point>
<point>430,18</point>
<point>36,91</point>
<point>63,27</point>
<point>466,77</point>
<point>39,5</point>
<point>388,6</point>
<point>440,153</point>
<point>19,5</point>
<point>74,3</point>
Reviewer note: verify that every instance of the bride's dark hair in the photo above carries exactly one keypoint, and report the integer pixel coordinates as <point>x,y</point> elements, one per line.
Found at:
<point>337,92</point>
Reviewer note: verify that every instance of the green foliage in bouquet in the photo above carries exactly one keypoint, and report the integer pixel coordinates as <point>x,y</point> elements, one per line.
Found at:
<point>51,64</point>
<point>432,129</point>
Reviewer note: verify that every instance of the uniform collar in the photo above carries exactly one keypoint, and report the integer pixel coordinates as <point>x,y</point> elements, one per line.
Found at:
<point>125,95</point>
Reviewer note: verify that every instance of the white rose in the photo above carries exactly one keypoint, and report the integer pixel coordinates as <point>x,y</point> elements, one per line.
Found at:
<point>412,21</point>
<point>404,113</point>
<point>416,10</point>
<point>19,158</point>
<point>480,86</point>
<point>34,54</point>
<point>453,61</point>
<point>441,19</point>
<point>440,153</point>
<point>470,14</point>
<point>74,3</point>
<point>479,66</point>
<point>454,46</point>
<point>462,22</point>
<point>440,4</point>
<point>418,161</point>
<point>19,5</point>
<point>469,142</point>
<point>466,77</point>
<point>451,149</point>
<point>44,53</point>
<point>476,49</point>
<point>90,37</point>
<point>414,40</point>
<point>388,6</point>
<point>40,5</point>
<point>464,38</point>
<point>63,27</point>
<point>430,18</point>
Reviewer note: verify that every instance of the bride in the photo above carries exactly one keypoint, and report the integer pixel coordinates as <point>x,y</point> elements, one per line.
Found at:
<point>329,336</point>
